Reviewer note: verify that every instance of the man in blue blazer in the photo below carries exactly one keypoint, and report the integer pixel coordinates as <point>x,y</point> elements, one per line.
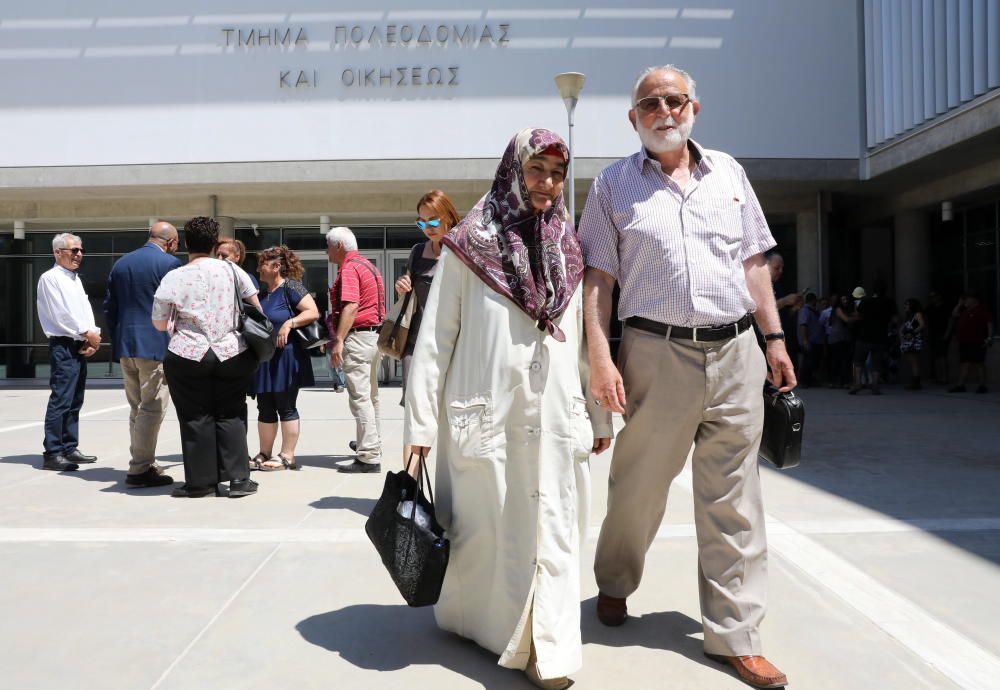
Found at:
<point>140,348</point>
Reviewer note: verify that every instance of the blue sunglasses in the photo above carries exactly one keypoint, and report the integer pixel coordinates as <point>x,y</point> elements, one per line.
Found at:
<point>424,224</point>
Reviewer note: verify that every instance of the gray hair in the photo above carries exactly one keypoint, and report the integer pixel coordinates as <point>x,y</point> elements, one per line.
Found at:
<point>692,85</point>
<point>342,236</point>
<point>61,240</point>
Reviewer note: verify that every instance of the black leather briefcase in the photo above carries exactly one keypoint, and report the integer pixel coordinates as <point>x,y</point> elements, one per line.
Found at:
<point>784,417</point>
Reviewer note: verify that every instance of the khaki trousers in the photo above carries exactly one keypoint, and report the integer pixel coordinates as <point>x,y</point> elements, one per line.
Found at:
<point>682,393</point>
<point>148,396</point>
<point>361,360</point>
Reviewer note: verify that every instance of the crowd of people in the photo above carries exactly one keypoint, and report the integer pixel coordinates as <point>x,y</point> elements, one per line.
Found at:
<point>859,340</point>
<point>508,373</point>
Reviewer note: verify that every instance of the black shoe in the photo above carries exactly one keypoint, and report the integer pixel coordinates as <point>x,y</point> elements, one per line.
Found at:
<point>982,389</point>
<point>195,492</point>
<point>149,478</point>
<point>58,463</point>
<point>353,445</point>
<point>876,390</point>
<point>247,487</point>
<point>77,456</point>
<point>358,467</point>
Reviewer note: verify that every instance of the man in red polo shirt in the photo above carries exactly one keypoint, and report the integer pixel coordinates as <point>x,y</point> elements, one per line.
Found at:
<point>974,332</point>
<point>357,302</point>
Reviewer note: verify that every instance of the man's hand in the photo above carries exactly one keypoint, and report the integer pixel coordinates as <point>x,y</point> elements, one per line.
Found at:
<point>781,373</point>
<point>403,285</point>
<point>88,351</point>
<point>93,339</point>
<point>601,445</point>
<point>607,387</point>
<point>337,354</point>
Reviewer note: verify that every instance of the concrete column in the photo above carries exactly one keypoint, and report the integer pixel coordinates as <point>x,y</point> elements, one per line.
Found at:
<point>912,240</point>
<point>807,251</point>
<point>227,226</point>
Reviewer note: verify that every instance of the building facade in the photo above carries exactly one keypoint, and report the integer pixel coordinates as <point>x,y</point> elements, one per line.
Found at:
<point>856,122</point>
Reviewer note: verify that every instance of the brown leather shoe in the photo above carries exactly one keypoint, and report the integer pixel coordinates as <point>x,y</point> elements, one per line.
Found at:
<point>611,610</point>
<point>753,670</point>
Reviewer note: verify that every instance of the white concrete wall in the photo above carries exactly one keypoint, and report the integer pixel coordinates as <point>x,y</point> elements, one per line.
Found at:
<point>93,82</point>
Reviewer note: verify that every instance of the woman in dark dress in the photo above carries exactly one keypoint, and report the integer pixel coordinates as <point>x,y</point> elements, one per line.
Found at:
<point>288,304</point>
<point>436,216</point>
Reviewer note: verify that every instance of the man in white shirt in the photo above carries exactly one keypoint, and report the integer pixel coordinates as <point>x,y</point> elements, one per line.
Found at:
<point>68,320</point>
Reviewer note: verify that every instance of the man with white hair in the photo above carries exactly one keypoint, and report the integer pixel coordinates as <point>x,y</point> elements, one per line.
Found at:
<point>357,306</point>
<point>679,228</point>
<point>68,320</point>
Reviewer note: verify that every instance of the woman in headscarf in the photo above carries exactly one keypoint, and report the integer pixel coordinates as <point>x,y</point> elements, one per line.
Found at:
<point>499,383</point>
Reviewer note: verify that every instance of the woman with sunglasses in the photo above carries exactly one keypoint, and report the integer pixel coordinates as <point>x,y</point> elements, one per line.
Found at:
<point>436,216</point>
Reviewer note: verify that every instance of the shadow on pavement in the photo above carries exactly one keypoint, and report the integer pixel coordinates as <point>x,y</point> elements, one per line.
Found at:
<point>911,456</point>
<point>361,506</point>
<point>670,631</point>
<point>105,475</point>
<point>394,637</point>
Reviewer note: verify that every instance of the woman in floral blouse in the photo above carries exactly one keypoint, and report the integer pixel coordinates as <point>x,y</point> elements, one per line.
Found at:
<point>208,366</point>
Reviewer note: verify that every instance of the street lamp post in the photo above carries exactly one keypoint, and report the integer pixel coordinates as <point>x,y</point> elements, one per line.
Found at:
<point>570,84</point>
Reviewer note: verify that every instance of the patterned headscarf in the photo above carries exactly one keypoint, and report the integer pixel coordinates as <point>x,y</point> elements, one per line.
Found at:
<point>533,260</point>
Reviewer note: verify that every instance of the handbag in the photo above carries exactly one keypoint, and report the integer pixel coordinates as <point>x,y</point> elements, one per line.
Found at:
<point>395,329</point>
<point>253,325</point>
<point>784,417</point>
<point>308,335</point>
<point>407,536</point>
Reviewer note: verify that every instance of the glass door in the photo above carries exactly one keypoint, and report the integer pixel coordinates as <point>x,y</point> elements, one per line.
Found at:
<point>396,260</point>
<point>318,278</point>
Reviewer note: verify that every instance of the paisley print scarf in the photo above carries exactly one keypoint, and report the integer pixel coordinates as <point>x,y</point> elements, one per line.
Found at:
<point>533,260</point>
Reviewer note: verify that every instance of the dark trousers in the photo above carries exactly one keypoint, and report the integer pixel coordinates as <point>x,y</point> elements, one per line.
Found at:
<point>277,405</point>
<point>68,382</point>
<point>209,397</point>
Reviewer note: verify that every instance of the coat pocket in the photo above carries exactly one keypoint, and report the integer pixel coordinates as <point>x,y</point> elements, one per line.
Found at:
<point>469,423</point>
<point>583,433</point>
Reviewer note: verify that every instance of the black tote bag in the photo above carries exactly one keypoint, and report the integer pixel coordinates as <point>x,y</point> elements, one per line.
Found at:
<point>254,326</point>
<point>309,335</point>
<point>416,555</point>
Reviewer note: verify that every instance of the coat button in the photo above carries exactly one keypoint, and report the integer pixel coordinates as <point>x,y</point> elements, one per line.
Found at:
<point>535,366</point>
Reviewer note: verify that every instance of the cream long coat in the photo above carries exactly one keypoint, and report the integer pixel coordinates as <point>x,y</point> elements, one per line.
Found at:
<point>506,407</point>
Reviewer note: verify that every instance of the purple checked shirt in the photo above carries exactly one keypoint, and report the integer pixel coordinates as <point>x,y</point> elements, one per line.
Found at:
<point>677,255</point>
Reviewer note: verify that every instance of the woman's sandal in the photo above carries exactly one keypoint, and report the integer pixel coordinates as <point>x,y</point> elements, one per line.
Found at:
<point>257,460</point>
<point>285,464</point>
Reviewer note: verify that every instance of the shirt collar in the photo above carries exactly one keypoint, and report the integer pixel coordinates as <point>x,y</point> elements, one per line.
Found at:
<point>154,244</point>
<point>697,153</point>
<point>72,274</point>
<point>351,254</point>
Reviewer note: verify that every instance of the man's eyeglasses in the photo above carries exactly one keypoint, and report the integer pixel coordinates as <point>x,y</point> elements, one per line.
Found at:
<point>72,250</point>
<point>650,104</point>
<point>424,224</point>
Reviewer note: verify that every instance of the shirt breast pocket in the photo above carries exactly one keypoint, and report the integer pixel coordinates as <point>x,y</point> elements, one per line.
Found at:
<point>723,216</point>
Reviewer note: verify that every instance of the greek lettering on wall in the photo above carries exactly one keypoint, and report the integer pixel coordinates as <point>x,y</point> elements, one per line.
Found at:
<point>362,54</point>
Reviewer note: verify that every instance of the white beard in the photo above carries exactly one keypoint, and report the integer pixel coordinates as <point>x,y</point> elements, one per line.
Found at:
<point>659,142</point>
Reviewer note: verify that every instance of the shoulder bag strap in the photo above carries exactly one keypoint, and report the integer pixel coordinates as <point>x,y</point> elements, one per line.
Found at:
<point>237,299</point>
<point>288,302</point>
<point>379,303</point>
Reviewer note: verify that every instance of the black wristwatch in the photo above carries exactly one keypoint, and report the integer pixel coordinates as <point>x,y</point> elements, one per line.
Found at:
<point>777,335</point>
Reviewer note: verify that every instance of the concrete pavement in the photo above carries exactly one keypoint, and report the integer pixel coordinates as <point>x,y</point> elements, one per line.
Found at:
<point>885,548</point>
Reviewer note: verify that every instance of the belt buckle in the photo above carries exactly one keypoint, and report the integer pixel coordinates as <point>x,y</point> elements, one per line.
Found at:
<point>694,334</point>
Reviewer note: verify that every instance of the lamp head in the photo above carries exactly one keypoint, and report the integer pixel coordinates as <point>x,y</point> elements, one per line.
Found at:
<point>570,84</point>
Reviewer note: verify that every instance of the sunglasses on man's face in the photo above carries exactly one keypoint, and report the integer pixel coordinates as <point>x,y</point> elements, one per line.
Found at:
<point>72,250</point>
<point>650,104</point>
<point>424,224</point>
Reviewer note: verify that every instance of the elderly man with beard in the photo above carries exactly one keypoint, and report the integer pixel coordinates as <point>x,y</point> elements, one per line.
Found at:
<point>679,228</point>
